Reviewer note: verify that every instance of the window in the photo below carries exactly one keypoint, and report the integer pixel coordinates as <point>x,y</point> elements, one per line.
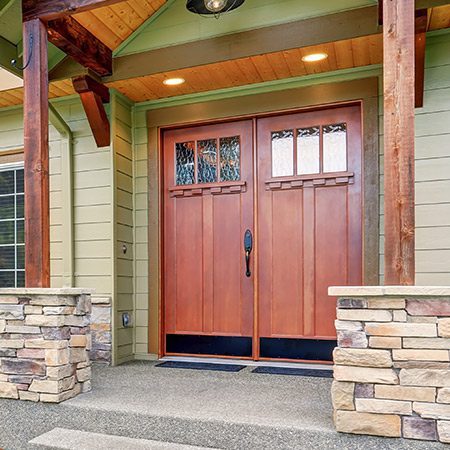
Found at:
<point>208,161</point>
<point>12,225</point>
<point>309,151</point>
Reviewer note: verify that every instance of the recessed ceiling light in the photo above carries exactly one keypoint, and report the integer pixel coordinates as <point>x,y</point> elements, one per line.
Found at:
<point>313,57</point>
<point>174,81</point>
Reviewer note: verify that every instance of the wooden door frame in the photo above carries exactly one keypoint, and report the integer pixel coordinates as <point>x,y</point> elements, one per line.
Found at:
<point>362,91</point>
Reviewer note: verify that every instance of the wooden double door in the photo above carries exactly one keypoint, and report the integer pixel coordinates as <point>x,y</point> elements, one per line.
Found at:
<point>261,216</point>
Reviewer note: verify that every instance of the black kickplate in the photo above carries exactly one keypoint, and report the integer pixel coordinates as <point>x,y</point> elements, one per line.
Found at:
<point>201,366</point>
<point>319,373</point>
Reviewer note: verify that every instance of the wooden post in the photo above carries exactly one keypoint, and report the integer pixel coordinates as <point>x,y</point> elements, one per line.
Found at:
<point>36,154</point>
<point>399,94</point>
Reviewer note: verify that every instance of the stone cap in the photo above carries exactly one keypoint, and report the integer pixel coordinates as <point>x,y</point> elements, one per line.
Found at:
<point>46,291</point>
<point>392,291</point>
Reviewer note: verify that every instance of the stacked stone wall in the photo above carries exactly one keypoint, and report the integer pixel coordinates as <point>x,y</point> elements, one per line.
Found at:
<point>392,364</point>
<point>101,351</point>
<point>44,344</point>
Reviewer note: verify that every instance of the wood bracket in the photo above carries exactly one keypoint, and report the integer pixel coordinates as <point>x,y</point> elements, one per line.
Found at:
<point>93,96</point>
<point>421,25</point>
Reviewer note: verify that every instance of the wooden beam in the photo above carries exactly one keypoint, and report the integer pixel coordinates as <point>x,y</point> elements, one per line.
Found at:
<point>419,4</point>
<point>36,157</point>
<point>93,96</point>
<point>51,9</point>
<point>421,26</point>
<point>80,44</point>
<point>399,247</point>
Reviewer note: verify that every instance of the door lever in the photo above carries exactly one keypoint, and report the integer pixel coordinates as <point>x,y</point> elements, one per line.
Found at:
<point>248,247</point>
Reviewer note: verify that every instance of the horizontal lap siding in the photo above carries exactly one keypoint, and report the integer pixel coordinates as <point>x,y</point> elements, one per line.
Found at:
<point>432,169</point>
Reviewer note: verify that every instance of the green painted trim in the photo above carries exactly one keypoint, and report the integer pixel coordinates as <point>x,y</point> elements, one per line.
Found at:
<point>259,88</point>
<point>123,98</point>
<point>8,51</point>
<point>137,32</point>
<point>5,5</point>
<point>438,36</point>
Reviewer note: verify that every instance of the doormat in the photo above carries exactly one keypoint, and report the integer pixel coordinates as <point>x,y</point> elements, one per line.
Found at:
<point>200,366</point>
<point>318,373</point>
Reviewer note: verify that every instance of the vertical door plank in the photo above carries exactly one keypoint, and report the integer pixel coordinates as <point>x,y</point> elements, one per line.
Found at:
<point>36,157</point>
<point>399,97</point>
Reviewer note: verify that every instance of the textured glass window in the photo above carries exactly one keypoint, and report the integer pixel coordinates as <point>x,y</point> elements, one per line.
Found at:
<point>335,148</point>
<point>230,159</point>
<point>207,161</point>
<point>283,153</point>
<point>12,236</point>
<point>308,150</point>
<point>185,167</point>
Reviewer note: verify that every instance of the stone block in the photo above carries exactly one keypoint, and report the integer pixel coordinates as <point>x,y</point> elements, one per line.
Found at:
<point>44,343</point>
<point>100,356</point>
<point>7,352</point>
<point>60,300</point>
<point>417,428</point>
<point>401,329</point>
<point>78,341</point>
<point>367,423</point>
<point>352,339</point>
<point>29,396</point>
<point>421,365</point>
<point>53,386</point>
<point>364,390</point>
<point>2,325</point>
<point>422,319</point>
<point>11,343</point>
<point>444,431</point>
<point>408,393</point>
<point>31,353</point>
<point>86,387</point>
<point>365,375</point>
<point>11,312</point>
<point>386,303</point>
<point>385,342</point>
<point>101,315</point>
<point>22,367</point>
<point>443,395</point>
<point>420,355</point>
<point>58,334</point>
<point>428,307</point>
<point>365,315</point>
<point>399,315</point>
<point>58,373</point>
<point>439,411</point>
<point>8,390</point>
<point>77,355</point>
<point>443,328</point>
<point>45,321</point>
<point>347,325</point>
<point>21,379</point>
<point>58,398</point>
<point>58,310</point>
<point>56,357</point>
<point>362,357</point>
<point>30,309</point>
<point>377,406</point>
<point>425,377</point>
<point>22,329</point>
<point>7,300</point>
<point>100,300</point>
<point>84,374</point>
<point>77,321</point>
<point>431,343</point>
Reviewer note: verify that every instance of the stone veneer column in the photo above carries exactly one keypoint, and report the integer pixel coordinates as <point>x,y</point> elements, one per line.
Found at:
<point>44,344</point>
<point>392,363</point>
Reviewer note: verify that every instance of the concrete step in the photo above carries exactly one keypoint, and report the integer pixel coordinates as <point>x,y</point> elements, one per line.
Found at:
<point>64,439</point>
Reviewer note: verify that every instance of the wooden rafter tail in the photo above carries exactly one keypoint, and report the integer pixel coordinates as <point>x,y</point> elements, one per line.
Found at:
<point>51,9</point>
<point>93,95</point>
<point>80,44</point>
<point>421,25</point>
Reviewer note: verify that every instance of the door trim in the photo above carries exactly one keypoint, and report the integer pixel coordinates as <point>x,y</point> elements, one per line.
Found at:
<point>363,92</point>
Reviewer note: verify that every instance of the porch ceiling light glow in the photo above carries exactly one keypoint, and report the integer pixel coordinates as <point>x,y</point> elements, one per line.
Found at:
<point>314,57</point>
<point>212,7</point>
<point>174,81</point>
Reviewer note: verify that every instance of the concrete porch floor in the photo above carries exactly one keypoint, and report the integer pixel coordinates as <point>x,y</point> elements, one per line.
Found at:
<point>207,409</point>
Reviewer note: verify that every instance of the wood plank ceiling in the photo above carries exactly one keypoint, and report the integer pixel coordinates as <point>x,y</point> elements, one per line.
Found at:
<point>350,53</point>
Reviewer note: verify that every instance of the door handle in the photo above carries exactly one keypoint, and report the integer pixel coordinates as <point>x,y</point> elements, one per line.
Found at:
<point>248,247</point>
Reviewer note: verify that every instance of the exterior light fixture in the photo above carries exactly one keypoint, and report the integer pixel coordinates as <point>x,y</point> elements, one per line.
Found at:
<point>174,81</point>
<point>314,57</point>
<point>212,7</point>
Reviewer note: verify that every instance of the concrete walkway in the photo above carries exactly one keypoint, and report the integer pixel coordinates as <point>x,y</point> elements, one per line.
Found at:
<point>199,408</point>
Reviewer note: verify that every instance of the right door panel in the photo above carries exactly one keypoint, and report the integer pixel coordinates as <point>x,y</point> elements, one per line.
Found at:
<point>310,227</point>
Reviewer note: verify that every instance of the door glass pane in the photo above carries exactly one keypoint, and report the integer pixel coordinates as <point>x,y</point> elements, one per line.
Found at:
<point>19,181</point>
<point>335,148</point>
<point>207,161</point>
<point>308,150</point>
<point>20,257</point>
<point>7,257</point>
<point>230,159</point>
<point>7,207</point>
<point>7,279</point>
<point>20,232</point>
<point>7,232</point>
<point>21,278</point>
<point>20,206</point>
<point>283,153</point>
<point>7,182</point>
<point>184,153</point>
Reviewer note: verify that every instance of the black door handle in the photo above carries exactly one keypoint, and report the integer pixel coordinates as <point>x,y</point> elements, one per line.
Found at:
<point>248,247</point>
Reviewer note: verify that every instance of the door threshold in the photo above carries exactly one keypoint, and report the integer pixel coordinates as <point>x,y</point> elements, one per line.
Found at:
<point>246,362</point>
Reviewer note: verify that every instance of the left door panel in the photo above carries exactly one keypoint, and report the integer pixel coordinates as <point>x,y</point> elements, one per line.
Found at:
<point>208,206</point>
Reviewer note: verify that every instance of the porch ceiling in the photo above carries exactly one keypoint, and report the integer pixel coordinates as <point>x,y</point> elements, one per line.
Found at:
<point>114,23</point>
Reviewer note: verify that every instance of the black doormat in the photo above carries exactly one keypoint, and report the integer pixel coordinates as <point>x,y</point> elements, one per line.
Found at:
<point>200,366</point>
<point>319,373</point>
